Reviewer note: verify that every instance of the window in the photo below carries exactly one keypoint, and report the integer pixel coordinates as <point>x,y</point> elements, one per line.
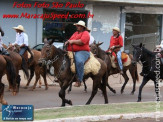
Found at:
<point>143,28</point>
<point>61,29</point>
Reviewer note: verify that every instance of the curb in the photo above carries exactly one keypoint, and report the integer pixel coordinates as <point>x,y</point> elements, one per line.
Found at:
<point>106,117</point>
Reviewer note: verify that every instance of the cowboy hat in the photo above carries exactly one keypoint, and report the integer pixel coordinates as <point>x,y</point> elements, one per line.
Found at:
<point>19,27</point>
<point>81,23</point>
<point>116,29</point>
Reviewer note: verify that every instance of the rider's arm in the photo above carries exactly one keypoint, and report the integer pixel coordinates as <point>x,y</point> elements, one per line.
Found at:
<point>25,40</point>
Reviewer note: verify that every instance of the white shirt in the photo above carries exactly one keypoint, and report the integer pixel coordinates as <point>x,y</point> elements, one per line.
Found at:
<point>21,39</point>
<point>161,44</point>
<point>91,39</point>
<point>1,42</point>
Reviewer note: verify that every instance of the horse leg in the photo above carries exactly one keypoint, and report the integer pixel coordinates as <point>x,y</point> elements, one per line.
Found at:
<point>62,93</point>
<point>96,83</point>
<point>45,81</point>
<point>126,80</point>
<point>110,88</point>
<point>37,78</point>
<point>85,86</point>
<point>70,88</point>
<point>145,80</point>
<point>2,101</point>
<point>31,76</point>
<point>40,83</point>
<point>132,72</point>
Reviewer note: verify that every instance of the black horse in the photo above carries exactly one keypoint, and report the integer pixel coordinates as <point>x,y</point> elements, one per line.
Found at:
<point>152,68</point>
<point>61,63</point>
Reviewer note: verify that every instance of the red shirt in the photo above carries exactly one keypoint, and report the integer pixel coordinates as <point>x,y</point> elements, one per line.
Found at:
<point>116,41</point>
<point>84,37</point>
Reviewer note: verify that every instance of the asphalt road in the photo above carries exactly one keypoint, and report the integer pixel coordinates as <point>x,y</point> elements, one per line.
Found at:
<point>41,98</point>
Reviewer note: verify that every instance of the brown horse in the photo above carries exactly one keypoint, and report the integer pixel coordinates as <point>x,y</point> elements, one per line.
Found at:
<point>35,68</point>
<point>61,63</point>
<point>7,67</point>
<point>132,68</point>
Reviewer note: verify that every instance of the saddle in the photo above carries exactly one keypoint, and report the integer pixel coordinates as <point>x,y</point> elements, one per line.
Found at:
<point>125,59</point>
<point>92,65</point>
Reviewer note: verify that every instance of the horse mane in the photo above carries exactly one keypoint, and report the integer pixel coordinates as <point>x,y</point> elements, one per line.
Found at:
<point>148,52</point>
<point>102,51</point>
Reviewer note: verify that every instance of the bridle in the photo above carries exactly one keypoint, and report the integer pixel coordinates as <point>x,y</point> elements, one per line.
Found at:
<point>47,61</point>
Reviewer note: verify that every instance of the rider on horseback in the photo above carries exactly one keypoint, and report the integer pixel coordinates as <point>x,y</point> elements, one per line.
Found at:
<point>79,43</point>
<point>116,42</point>
<point>2,50</point>
<point>21,39</point>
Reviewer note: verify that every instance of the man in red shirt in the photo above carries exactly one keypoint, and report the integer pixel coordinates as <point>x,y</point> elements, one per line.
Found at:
<point>116,42</point>
<point>80,45</point>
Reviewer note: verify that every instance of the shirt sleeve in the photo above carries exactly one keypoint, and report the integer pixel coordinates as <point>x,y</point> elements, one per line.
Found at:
<point>85,37</point>
<point>26,39</point>
<point>111,42</point>
<point>120,41</point>
<point>161,44</point>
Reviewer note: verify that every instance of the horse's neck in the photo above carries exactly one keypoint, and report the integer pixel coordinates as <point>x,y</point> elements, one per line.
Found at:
<point>59,62</point>
<point>147,58</point>
<point>101,53</point>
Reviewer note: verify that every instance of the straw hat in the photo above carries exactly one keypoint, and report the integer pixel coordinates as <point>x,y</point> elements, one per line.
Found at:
<point>19,27</point>
<point>116,29</point>
<point>81,23</point>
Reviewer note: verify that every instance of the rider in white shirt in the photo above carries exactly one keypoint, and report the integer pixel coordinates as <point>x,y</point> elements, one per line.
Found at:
<point>21,39</point>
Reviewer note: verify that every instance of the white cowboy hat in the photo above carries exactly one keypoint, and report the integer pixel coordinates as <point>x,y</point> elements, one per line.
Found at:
<point>81,23</point>
<point>19,27</point>
<point>116,29</point>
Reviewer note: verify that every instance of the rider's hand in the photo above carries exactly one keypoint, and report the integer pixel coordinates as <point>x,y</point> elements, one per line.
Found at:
<point>66,42</point>
<point>112,47</point>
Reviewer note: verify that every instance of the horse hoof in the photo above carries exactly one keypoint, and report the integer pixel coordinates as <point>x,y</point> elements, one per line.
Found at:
<point>85,91</point>
<point>46,88</point>
<point>132,93</point>
<point>25,87</point>
<point>114,91</point>
<point>39,87</point>
<point>14,93</point>
<point>139,101</point>
<point>70,102</point>
<point>122,92</point>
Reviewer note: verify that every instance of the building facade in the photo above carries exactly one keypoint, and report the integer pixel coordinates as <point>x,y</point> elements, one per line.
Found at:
<point>138,20</point>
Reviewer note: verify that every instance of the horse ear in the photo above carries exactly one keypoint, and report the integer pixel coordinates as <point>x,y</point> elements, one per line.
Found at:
<point>51,41</point>
<point>141,45</point>
<point>45,40</point>
<point>99,43</point>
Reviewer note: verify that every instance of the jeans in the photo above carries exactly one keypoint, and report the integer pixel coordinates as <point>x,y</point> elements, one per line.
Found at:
<point>4,52</point>
<point>80,58</point>
<point>119,60</point>
<point>22,50</point>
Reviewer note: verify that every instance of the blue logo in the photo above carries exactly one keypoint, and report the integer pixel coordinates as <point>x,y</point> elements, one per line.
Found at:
<point>17,112</point>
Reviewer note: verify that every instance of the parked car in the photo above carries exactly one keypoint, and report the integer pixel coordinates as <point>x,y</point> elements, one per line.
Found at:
<point>39,47</point>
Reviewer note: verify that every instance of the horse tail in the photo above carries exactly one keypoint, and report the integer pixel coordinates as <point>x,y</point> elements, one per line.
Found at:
<point>32,68</point>
<point>31,58</point>
<point>24,67</point>
<point>10,71</point>
<point>136,74</point>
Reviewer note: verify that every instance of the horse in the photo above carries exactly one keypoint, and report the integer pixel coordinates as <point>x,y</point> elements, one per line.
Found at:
<point>61,63</point>
<point>7,67</point>
<point>152,68</point>
<point>35,68</point>
<point>97,51</point>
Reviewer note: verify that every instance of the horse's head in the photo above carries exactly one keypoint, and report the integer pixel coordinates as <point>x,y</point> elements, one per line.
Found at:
<point>137,52</point>
<point>95,47</point>
<point>47,52</point>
